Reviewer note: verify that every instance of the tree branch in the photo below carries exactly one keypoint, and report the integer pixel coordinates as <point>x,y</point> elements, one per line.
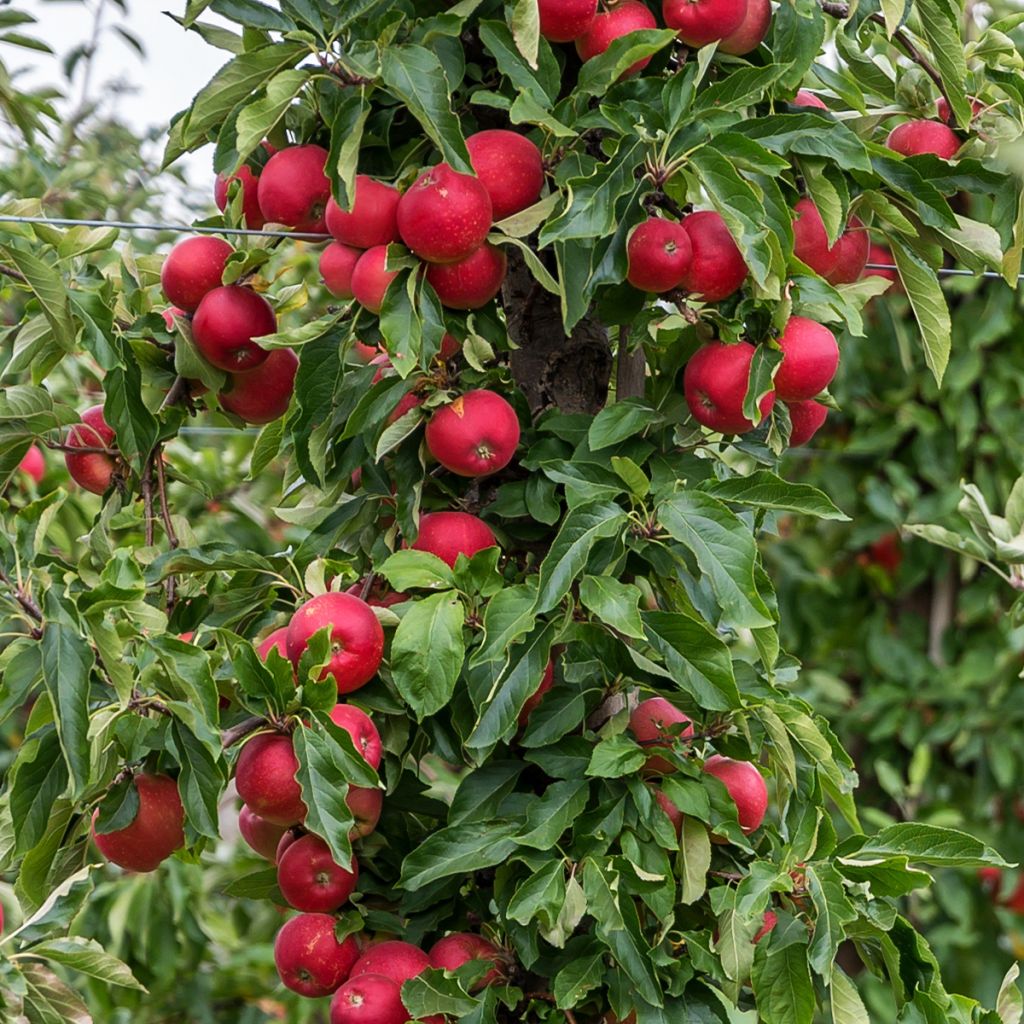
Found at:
<point>177,391</point>
<point>11,272</point>
<point>631,369</point>
<point>172,536</point>
<point>237,733</point>
<point>25,599</point>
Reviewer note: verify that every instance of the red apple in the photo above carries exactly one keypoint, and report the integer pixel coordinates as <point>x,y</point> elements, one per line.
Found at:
<point>1015,901</point>
<point>445,215</point>
<point>225,324</point>
<point>534,700</point>
<point>510,167</point>
<point>751,31</point>
<point>358,724</point>
<point>357,639</point>
<point>276,641</point>
<point>366,353</point>
<point>810,239</point>
<point>366,805</point>
<point>370,278</point>
<point>674,814</point>
<point>379,596</point>
<point>310,959</point>
<point>746,786</point>
<point>851,252</point>
<point>371,220</point>
<point>717,268</point>
<point>886,552</point>
<point>251,211</point>
<point>810,358</point>
<point>944,113</point>
<point>293,188</point>
<point>193,268</point>
<point>450,534</point>
<point>659,254</point>
<point>398,961</point>
<point>34,465</point>
<point>564,21</point>
<point>291,835</point>
<point>472,282</point>
<point>475,435</point>
<point>655,723</point>
<point>450,348</point>
<point>768,923</point>
<point>453,951</point>
<point>263,836</point>
<point>157,830</point>
<point>715,384</point>
<point>369,999</point>
<point>700,22</point>
<point>806,419</point>
<point>309,878</point>
<point>263,394</point>
<point>337,264</point>
<point>607,26</point>
<point>91,470</point>
<point>803,98</point>
<point>912,138</point>
<point>265,779</point>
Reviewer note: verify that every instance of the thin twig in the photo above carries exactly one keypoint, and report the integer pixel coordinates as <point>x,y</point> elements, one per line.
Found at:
<point>165,511</point>
<point>147,499</point>
<point>84,449</point>
<point>178,390</point>
<point>237,733</point>
<point>835,10</point>
<point>25,599</point>
<point>11,272</point>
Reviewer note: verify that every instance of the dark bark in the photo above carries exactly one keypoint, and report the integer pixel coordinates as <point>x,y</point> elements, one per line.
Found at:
<point>567,373</point>
<point>631,369</point>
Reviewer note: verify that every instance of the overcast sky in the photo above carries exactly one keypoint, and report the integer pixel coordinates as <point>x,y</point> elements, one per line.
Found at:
<point>177,63</point>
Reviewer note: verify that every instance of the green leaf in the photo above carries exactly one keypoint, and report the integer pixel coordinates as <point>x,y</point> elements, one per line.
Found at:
<point>764,489</point>
<point>616,757</point>
<point>87,956</point>
<point>833,912</point>
<point>600,73</point>
<point>48,287</point>
<point>407,569</point>
<point>615,423</point>
<point>567,558</point>
<point>508,616</point>
<point>202,777</point>
<point>428,651</point>
<point>415,76</point>
<point>614,603</point>
<point>579,976</point>
<point>39,777</point>
<point>940,22</point>
<point>782,985</point>
<point>553,813</point>
<point>928,304</point>
<point>461,849</point>
<point>725,551</point>
<point>695,854</point>
<point>526,29</point>
<point>48,1000</point>
<point>257,120</point>
<point>921,844</point>
<point>1009,1003</point>
<point>847,1005</point>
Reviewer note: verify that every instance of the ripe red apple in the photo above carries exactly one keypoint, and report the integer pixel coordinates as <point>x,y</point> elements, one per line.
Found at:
<point>717,268</point>
<point>250,200</point>
<point>156,832</point>
<point>91,470</point>
<point>276,641</point>
<point>398,961</point>
<point>225,324</point>
<point>309,959</point>
<point>912,138</point>
<point>509,166</point>
<point>655,723</point>
<point>751,31</point>
<point>293,189</point>
<point>810,358</point>
<point>659,254</point>
<point>472,282</point>
<point>445,215</point>
<point>358,724</point>
<point>309,878</point>
<point>475,435</point>
<point>674,814</point>
<point>944,113</point>
<point>291,835</point>
<point>357,639</point>
<point>366,805</point>
<point>450,348</point>
<point>612,24</point>
<point>263,836</point>
<point>534,700</point>
<point>33,464</point>
<point>192,269</point>
<point>564,21</point>
<point>337,264</point>
<point>372,218</point>
<point>810,240</point>
<point>700,22</point>
<point>265,779</point>
<point>746,786</point>
<point>379,596</point>
<point>370,278</point>
<point>851,252</point>
<point>715,384</point>
<point>264,393</point>
<point>450,534</point>
<point>768,923</point>
<point>806,419</point>
<point>369,999</point>
<point>803,98</point>
<point>882,254</point>
<point>886,552</point>
<point>451,952</point>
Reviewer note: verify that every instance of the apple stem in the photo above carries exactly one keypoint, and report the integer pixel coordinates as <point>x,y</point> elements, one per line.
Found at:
<point>25,599</point>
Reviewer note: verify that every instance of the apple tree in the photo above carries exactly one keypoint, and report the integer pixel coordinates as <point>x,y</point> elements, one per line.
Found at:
<point>501,687</point>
